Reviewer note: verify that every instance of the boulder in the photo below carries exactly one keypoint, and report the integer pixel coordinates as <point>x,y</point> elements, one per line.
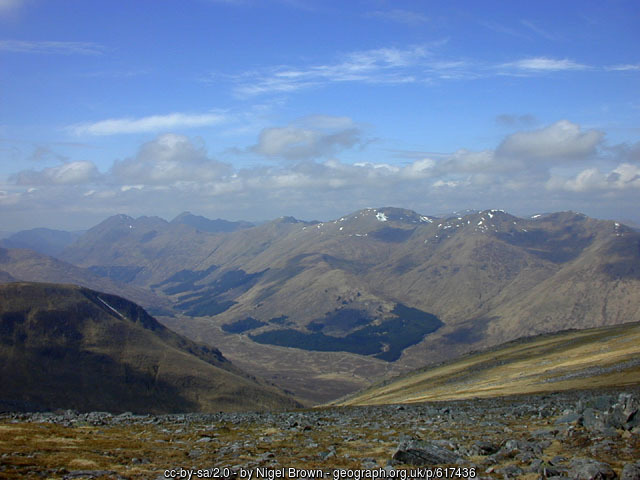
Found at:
<point>631,471</point>
<point>419,453</point>
<point>589,469</point>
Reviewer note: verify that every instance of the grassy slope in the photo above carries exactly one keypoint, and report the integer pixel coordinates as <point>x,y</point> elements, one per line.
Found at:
<point>606,356</point>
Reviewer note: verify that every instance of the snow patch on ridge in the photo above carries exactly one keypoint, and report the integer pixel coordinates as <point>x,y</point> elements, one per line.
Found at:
<point>116,311</point>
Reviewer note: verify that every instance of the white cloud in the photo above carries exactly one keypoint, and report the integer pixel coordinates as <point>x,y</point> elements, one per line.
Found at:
<point>560,141</point>
<point>422,168</point>
<point>51,47</point>
<point>152,123</point>
<point>168,159</point>
<point>545,64</point>
<point>448,183</point>
<point>310,137</point>
<point>467,161</point>
<point>624,176</point>
<point>173,173</point>
<point>69,173</point>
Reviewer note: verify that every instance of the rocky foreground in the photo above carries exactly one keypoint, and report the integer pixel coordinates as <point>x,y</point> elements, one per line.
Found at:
<point>580,435</point>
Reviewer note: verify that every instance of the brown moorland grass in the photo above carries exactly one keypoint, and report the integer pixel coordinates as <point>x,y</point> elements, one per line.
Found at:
<point>607,356</point>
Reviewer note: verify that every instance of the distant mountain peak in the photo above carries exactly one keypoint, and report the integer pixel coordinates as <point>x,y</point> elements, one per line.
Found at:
<point>205,224</point>
<point>390,214</point>
<point>186,214</point>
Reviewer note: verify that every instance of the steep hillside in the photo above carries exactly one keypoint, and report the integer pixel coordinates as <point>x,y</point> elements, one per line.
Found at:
<point>64,346</point>
<point>571,360</point>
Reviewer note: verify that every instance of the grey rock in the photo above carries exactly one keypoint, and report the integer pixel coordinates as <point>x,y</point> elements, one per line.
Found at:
<point>570,418</point>
<point>419,453</point>
<point>510,471</point>
<point>484,447</point>
<point>369,463</point>
<point>631,471</point>
<point>545,432</point>
<point>600,402</point>
<point>624,414</point>
<point>536,465</point>
<point>589,469</point>
<point>593,419</point>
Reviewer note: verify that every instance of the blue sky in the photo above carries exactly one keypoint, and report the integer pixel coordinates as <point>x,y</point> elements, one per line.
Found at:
<point>248,109</point>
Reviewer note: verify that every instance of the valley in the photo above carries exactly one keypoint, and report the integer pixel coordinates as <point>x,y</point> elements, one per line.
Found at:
<point>323,309</point>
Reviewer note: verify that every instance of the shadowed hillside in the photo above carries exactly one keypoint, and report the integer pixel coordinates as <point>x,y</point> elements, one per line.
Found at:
<point>64,346</point>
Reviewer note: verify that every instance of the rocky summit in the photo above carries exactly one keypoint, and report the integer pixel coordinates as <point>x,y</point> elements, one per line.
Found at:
<point>577,435</point>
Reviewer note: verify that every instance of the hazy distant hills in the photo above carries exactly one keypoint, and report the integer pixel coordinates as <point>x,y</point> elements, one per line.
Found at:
<point>28,265</point>
<point>374,287</point>
<point>42,240</point>
<point>64,346</point>
<point>211,226</point>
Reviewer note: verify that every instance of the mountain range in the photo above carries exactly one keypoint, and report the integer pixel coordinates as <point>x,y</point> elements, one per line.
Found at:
<point>324,308</point>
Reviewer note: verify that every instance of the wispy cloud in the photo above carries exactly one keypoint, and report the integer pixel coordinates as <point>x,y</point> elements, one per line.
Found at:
<point>406,17</point>
<point>499,28</point>
<point>383,65</point>
<point>117,74</point>
<point>538,30</point>
<point>51,47</point>
<point>7,6</point>
<point>627,67</point>
<point>395,66</point>
<point>545,64</point>
<point>152,123</point>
